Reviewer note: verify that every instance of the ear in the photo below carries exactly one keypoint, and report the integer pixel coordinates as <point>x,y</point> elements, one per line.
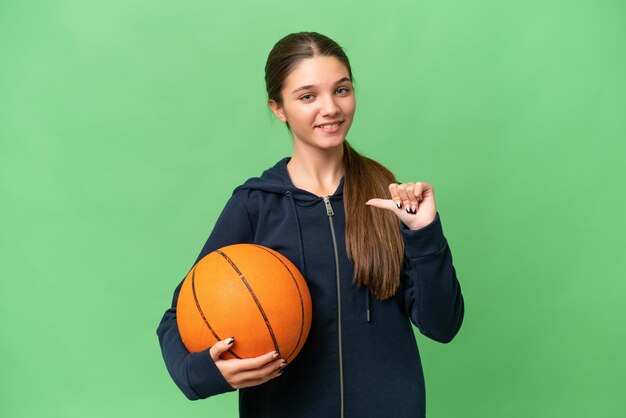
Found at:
<point>277,109</point>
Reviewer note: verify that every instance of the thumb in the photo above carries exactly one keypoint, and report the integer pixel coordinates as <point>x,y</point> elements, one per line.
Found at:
<point>220,347</point>
<point>382,204</point>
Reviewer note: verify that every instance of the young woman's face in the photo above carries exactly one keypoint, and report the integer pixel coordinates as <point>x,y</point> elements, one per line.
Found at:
<point>318,102</point>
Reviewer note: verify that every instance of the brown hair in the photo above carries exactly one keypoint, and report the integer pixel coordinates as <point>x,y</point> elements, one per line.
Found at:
<point>373,239</point>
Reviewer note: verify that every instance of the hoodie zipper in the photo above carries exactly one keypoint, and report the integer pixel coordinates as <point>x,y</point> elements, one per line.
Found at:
<point>331,213</point>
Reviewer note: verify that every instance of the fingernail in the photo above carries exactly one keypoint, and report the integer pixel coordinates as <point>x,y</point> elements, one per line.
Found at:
<point>280,372</point>
<point>275,354</point>
<point>398,204</point>
<point>283,364</point>
<point>230,341</point>
<point>413,209</point>
<point>408,209</point>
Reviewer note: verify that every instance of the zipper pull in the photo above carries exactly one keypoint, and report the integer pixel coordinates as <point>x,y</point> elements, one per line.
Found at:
<point>329,209</point>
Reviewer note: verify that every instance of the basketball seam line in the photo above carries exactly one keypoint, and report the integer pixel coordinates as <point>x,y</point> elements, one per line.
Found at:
<point>299,294</point>
<point>256,300</point>
<point>195,298</point>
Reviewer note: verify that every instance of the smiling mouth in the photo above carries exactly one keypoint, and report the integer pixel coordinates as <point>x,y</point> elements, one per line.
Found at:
<point>329,126</point>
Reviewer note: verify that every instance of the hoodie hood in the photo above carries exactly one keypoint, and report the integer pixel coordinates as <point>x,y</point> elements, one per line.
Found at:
<point>276,180</point>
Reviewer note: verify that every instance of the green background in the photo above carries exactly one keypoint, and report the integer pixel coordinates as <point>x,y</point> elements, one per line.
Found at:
<point>125,125</point>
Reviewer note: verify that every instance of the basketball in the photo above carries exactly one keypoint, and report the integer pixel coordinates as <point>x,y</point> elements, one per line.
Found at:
<point>249,292</point>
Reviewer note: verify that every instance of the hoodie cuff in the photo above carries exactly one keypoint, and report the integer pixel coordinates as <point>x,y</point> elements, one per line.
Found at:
<point>424,241</point>
<point>204,377</point>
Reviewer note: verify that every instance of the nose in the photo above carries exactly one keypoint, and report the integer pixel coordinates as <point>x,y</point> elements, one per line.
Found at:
<point>329,106</point>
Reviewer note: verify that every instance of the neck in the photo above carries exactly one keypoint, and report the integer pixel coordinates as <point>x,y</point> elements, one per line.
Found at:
<point>318,171</point>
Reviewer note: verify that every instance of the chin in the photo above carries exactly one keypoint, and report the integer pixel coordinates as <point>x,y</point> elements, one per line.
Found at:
<point>323,142</point>
<point>332,143</point>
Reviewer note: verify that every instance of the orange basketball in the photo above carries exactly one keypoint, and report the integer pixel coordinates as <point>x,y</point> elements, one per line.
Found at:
<point>249,292</point>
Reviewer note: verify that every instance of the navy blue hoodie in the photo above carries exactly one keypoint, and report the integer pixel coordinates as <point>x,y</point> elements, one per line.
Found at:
<point>360,359</point>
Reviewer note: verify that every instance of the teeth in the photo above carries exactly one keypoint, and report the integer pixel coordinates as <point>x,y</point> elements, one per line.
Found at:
<point>334,125</point>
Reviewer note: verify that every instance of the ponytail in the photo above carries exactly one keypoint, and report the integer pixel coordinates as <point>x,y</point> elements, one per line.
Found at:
<point>373,238</point>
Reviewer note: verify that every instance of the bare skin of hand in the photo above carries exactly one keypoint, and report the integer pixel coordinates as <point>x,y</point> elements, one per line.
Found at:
<point>413,203</point>
<point>243,373</point>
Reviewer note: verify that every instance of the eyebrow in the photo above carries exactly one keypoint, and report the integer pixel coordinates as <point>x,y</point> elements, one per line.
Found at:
<point>308,86</point>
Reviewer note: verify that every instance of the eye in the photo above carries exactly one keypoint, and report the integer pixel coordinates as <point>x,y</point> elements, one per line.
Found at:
<point>342,90</point>
<point>306,97</point>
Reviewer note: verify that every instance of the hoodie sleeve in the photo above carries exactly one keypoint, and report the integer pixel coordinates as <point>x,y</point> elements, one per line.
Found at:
<point>432,293</point>
<point>196,374</point>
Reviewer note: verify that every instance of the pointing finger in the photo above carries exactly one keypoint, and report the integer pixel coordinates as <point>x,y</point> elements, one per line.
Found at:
<point>382,204</point>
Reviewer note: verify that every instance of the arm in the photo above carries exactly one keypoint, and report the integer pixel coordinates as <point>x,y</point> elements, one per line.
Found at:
<point>432,293</point>
<point>196,374</point>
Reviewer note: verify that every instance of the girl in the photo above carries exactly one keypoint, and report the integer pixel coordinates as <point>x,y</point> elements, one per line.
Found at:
<point>373,265</point>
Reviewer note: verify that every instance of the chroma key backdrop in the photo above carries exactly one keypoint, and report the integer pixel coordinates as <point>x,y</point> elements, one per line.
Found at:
<point>125,126</point>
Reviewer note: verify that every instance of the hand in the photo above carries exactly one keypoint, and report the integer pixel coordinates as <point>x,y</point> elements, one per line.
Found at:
<point>413,203</point>
<point>241,373</point>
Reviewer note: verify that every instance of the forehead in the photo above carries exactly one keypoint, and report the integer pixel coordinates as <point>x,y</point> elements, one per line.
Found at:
<point>316,71</point>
